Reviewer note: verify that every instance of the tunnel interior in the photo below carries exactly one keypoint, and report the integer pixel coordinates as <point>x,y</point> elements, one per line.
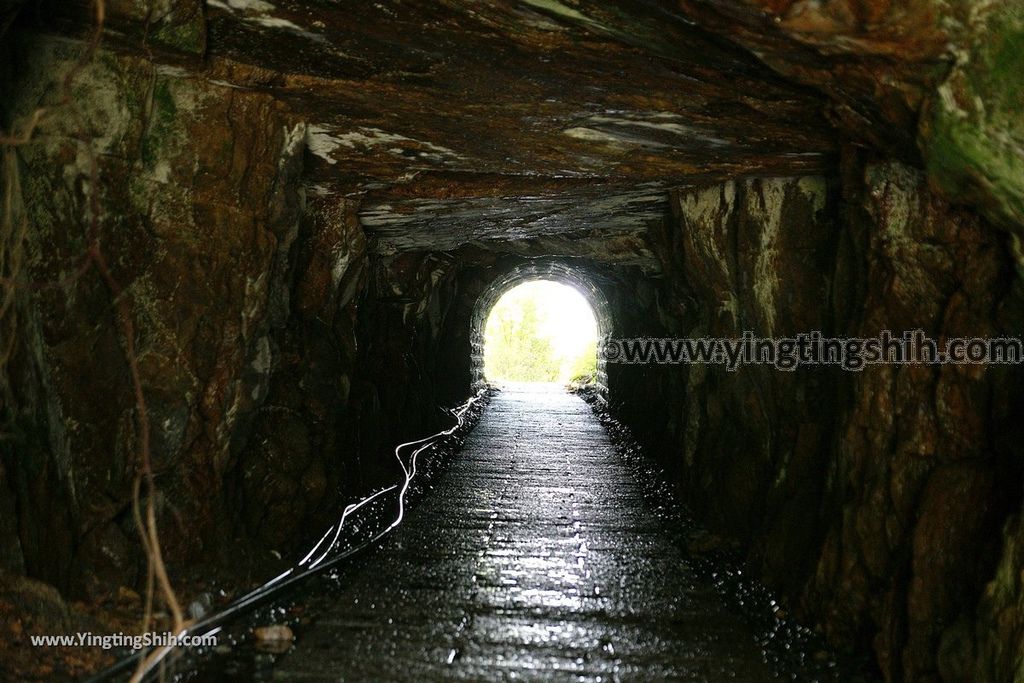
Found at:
<point>246,248</point>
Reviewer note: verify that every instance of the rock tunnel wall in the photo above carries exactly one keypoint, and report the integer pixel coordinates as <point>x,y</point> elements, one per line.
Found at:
<point>196,230</point>
<point>281,361</point>
<point>884,503</point>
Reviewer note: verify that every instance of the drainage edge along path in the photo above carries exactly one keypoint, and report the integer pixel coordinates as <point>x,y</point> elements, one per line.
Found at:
<point>536,557</point>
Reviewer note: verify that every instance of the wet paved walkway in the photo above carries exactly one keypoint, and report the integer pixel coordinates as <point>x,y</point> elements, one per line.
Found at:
<point>535,558</point>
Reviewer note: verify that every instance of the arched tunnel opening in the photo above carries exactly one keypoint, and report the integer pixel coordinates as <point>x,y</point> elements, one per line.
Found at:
<point>580,316</point>
<point>540,331</point>
<point>248,253</point>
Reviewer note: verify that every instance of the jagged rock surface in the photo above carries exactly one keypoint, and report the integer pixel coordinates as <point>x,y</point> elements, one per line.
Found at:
<point>303,202</point>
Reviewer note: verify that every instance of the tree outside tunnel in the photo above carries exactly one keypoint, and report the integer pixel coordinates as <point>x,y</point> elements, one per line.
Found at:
<point>540,331</point>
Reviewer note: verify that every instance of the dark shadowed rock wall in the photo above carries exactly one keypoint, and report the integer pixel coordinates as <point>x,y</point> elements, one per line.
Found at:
<point>881,501</point>
<point>192,195</point>
<point>279,364</point>
<point>927,459</point>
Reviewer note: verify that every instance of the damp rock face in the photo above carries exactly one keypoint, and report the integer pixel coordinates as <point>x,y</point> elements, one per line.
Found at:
<point>924,448</point>
<point>304,204</point>
<point>877,500</point>
<point>295,454</point>
<point>191,192</point>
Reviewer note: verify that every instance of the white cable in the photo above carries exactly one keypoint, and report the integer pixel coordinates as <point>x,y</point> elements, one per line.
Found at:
<point>210,624</point>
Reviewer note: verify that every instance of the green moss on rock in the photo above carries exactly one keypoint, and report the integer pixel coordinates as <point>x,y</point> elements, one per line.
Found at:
<point>162,122</point>
<point>973,133</point>
<point>184,34</point>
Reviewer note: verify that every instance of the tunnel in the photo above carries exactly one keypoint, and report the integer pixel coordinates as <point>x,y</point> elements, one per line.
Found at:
<point>248,251</point>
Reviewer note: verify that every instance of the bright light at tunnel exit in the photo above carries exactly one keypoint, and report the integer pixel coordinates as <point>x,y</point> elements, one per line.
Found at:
<point>540,331</point>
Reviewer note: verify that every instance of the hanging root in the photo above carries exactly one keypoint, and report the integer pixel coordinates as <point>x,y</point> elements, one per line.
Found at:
<point>13,231</point>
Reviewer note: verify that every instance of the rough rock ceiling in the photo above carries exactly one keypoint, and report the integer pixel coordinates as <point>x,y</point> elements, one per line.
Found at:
<point>528,89</point>
<point>874,59</point>
<point>460,121</point>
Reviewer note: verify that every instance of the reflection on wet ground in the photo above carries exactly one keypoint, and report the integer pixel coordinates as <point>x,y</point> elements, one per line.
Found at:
<point>535,558</point>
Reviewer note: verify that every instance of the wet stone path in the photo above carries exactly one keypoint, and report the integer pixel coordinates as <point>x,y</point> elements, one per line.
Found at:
<point>535,558</point>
